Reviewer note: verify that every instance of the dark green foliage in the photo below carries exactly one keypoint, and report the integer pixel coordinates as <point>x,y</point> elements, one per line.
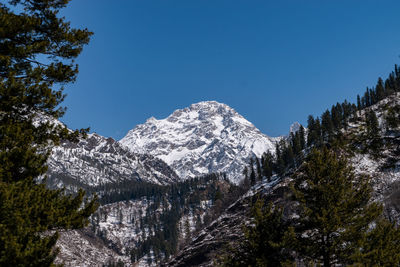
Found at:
<point>128,190</point>
<point>37,50</point>
<point>336,224</point>
<point>181,197</point>
<point>245,183</point>
<point>372,124</point>
<point>380,246</point>
<point>302,137</point>
<point>375,142</point>
<point>267,161</point>
<point>252,172</point>
<point>393,117</point>
<point>328,129</point>
<point>327,126</point>
<point>314,137</point>
<point>381,90</point>
<point>334,213</point>
<point>279,166</point>
<point>264,242</point>
<point>258,168</point>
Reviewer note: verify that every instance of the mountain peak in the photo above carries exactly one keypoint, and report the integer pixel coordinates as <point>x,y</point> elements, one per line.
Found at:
<point>203,138</point>
<point>204,110</point>
<point>209,105</point>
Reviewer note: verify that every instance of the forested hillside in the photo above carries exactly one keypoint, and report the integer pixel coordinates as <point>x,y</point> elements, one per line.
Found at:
<point>363,137</point>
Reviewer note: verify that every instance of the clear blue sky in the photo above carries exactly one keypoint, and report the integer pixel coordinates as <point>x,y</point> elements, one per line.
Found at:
<point>275,62</point>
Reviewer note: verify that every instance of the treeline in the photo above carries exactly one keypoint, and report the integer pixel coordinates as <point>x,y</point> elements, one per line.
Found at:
<point>327,129</point>
<point>381,90</point>
<point>128,190</point>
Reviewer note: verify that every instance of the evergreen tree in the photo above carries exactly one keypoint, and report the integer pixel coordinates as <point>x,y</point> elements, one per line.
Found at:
<point>288,156</point>
<point>302,137</point>
<point>267,164</point>
<point>295,143</point>
<point>246,180</point>
<point>188,234</point>
<point>326,126</point>
<point>367,98</point>
<point>373,129</point>
<point>279,166</point>
<point>334,212</point>
<point>252,173</point>
<point>392,117</point>
<point>380,246</point>
<point>311,138</point>
<point>37,50</point>
<point>258,167</point>
<point>380,90</point>
<point>338,115</point>
<point>264,243</point>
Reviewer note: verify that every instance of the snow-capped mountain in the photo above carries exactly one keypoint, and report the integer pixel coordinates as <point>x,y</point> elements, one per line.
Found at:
<point>98,160</point>
<point>203,138</point>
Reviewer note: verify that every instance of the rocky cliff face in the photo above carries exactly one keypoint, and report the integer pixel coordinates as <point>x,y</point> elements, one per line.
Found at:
<point>207,137</point>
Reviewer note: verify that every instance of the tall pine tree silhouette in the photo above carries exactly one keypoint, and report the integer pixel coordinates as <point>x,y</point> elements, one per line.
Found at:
<point>37,49</point>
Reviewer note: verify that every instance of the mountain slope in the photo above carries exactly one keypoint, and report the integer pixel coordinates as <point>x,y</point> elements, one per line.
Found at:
<point>381,165</point>
<point>98,161</point>
<point>203,138</point>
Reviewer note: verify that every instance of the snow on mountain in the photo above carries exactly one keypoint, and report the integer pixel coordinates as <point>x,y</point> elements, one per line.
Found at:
<point>203,138</point>
<point>294,127</point>
<point>98,160</point>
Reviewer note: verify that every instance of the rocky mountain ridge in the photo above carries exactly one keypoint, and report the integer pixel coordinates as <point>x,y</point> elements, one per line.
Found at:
<point>207,137</point>
<point>97,160</point>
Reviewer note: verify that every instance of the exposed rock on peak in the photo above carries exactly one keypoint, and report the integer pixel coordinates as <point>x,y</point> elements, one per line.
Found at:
<point>206,137</point>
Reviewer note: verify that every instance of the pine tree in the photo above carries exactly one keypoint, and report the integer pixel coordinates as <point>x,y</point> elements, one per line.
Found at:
<point>264,243</point>
<point>373,131</point>
<point>267,164</point>
<point>392,117</point>
<point>252,173</point>
<point>334,212</point>
<point>380,90</point>
<point>188,234</point>
<point>380,246</point>
<point>245,184</point>
<point>311,138</point>
<point>326,126</point>
<point>302,137</point>
<point>258,167</point>
<point>279,166</point>
<point>37,49</point>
